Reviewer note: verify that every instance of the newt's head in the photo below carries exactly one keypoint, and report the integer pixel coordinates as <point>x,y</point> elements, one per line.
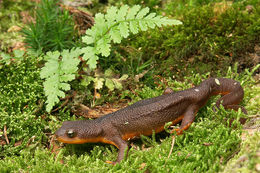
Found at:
<point>78,132</point>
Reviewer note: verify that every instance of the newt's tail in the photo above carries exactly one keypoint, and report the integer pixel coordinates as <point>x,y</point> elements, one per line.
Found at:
<point>231,91</point>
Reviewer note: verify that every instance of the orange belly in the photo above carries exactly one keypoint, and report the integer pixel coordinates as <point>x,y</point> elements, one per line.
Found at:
<point>129,136</point>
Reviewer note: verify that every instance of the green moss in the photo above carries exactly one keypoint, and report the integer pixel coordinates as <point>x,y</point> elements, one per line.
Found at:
<point>20,93</point>
<point>248,156</point>
<point>212,35</point>
<point>10,15</point>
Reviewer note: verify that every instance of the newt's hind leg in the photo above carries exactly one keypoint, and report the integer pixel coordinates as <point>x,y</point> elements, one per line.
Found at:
<point>231,101</point>
<point>187,120</point>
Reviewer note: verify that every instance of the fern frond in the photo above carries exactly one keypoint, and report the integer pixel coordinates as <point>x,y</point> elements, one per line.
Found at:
<point>57,72</point>
<point>118,24</point>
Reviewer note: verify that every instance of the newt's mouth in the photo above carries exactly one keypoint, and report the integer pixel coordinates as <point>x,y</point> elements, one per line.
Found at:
<point>77,140</point>
<point>67,140</point>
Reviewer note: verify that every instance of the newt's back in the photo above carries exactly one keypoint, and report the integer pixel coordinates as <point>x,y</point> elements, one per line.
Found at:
<point>151,114</point>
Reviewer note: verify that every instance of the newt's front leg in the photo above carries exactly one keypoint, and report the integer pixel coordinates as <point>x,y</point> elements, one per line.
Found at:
<point>122,148</point>
<point>188,118</point>
<point>231,101</point>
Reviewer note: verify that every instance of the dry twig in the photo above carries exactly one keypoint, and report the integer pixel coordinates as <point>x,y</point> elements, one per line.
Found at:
<point>5,134</point>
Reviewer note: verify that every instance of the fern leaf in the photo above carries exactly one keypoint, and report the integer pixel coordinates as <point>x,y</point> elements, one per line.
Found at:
<point>90,56</point>
<point>171,21</point>
<point>103,46</point>
<point>150,16</point>
<point>109,73</point>
<point>57,72</point>
<point>124,31</point>
<point>116,25</point>
<point>133,11</point>
<point>89,52</point>
<point>111,13</point>
<point>117,84</point>
<point>122,13</point>
<point>51,91</point>
<point>92,62</point>
<point>133,25</point>
<point>100,23</point>
<point>65,87</point>
<point>143,25</point>
<point>67,77</point>
<point>89,37</point>
<point>69,66</point>
<point>115,35</point>
<point>158,21</point>
<point>142,13</point>
<point>51,66</point>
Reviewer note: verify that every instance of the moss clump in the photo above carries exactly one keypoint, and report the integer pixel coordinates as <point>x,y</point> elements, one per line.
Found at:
<point>20,93</point>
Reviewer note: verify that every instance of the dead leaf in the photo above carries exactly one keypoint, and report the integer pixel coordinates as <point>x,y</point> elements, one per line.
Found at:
<point>18,143</point>
<point>142,166</point>
<point>188,155</point>
<point>14,29</point>
<point>2,142</point>
<point>19,46</point>
<point>257,167</point>
<point>221,7</point>
<point>26,18</point>
<point>207,144</point>
<point>98,111</point>
<point>242,158</point>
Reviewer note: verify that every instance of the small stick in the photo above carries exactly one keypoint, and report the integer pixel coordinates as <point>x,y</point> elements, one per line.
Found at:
<point>173,141</point>
<point>62,105</point>
<point>5,134</point>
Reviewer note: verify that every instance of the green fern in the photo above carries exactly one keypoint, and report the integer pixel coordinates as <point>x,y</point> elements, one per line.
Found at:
<point>114,26</point>
<point>57,72</point>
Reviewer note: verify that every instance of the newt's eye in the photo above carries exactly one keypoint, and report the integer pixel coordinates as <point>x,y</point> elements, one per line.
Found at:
<point>70,133</point>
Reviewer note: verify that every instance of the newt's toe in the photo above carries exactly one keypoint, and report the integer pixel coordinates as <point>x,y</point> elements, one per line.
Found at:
<point>111,162</point>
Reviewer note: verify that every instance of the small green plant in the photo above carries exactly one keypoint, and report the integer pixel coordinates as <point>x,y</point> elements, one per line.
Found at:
<point>112,27</point>
<point>52,30</point>
<point>106,79</point>
<point>7,59</point>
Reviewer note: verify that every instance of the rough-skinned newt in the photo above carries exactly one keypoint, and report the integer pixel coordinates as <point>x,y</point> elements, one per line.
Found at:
<point>146,116</point>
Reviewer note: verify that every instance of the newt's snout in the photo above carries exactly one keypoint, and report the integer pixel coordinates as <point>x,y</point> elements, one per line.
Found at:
<point>60,132</point>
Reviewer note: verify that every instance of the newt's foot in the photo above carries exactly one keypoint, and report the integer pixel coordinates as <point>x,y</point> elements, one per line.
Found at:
<point>111,162</point>
<point>178,131</point>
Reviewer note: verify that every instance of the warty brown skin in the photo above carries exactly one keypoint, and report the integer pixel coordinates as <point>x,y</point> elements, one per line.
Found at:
<point>146,116</point>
